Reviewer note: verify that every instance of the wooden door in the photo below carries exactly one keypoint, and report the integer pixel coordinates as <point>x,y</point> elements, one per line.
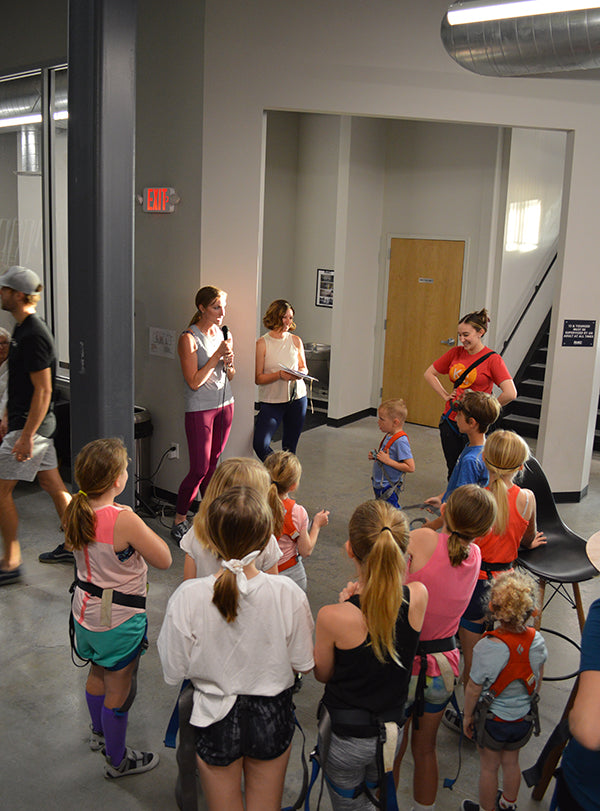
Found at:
<point>424,287</point>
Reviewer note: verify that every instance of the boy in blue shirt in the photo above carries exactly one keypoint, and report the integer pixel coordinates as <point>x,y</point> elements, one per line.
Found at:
<point>394,457</point>
<point>476,411</point>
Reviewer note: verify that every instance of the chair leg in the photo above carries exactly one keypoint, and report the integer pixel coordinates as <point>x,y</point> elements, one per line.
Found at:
<point>554,755</point>
<point>538,620</point>
<point>579,606</point>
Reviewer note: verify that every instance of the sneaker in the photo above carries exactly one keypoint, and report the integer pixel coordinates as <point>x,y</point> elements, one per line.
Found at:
<point>58,555</point>
<point>511,807</point>
<point>179,530</point>
<point>96,739</point>
<point>469,805</point>
<point>10,575</point>
<point>452,719</point>
<point>133,763</point>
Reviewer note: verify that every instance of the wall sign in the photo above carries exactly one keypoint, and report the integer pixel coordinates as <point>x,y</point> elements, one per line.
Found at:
<point>160,200</point>
<point>578,333</point>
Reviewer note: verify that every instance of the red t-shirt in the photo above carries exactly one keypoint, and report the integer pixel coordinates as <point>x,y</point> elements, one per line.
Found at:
<point>490,372</point>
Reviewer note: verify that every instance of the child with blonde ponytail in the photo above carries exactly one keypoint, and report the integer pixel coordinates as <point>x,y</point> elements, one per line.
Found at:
<point>295,539</point>
<point>364,648</point>
<point>447,563</point>
<point>240,636</point>
<point>111,545</point>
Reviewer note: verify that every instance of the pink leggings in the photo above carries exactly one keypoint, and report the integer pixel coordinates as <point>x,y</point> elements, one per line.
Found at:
<point>207,433</point>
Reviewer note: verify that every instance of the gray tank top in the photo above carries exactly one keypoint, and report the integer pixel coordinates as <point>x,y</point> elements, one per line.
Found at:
<point>216,391</point>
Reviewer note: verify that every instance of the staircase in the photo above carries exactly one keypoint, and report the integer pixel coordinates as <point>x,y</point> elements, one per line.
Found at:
<point>523,414</point>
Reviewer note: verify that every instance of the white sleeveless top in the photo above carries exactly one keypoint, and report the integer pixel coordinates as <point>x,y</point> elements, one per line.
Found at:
<point>280,352</point>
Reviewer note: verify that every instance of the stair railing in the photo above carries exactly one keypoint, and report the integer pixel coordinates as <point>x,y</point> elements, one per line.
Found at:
<point>536,289</point>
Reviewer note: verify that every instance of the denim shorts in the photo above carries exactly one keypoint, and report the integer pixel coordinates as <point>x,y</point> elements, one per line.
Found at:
<point>436,694</point>
<point>259,727</point>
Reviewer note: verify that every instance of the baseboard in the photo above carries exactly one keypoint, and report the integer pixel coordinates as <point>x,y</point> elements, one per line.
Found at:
<point>570,498</point>
<point>358,415</point>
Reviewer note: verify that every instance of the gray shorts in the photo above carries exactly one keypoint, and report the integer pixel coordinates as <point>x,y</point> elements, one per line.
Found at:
<point>43,458</point>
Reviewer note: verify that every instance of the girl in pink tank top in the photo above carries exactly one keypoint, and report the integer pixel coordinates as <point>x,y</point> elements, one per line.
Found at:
<point>111,545</point>
<point>447,563</point>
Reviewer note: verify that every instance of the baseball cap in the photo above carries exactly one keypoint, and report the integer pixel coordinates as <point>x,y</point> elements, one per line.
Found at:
<point>21,279</point>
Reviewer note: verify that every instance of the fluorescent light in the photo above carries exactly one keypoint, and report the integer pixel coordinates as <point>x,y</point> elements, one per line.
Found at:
<point>61,115</point>
<point>19,120</point>
<point>521,8</point>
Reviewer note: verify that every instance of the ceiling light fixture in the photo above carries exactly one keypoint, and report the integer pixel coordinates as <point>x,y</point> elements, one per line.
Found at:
<point>463,13</point>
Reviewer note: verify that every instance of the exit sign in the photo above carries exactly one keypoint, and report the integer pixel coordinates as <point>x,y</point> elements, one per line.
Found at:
<point>160,200</point>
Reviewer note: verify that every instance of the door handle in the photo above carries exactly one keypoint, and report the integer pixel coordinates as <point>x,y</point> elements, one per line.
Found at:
<point>449,342</point>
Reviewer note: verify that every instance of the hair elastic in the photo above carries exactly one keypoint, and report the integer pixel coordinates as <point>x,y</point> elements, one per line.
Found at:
<point>388,529</point>
<point>80,492</point>
<point>237,567</point>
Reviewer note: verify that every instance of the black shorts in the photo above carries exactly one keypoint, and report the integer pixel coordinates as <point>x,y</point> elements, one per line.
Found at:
<point>476,609</point>
<point>259,727</point>
<point>506,734</point>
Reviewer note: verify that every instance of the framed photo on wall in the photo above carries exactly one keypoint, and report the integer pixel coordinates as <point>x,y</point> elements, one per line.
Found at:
<point>324,296</point>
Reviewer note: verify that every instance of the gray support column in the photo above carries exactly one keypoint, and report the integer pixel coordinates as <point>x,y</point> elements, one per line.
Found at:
<point>101,198</point>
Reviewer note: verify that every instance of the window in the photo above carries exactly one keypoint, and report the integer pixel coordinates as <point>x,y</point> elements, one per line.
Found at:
<point>33,190</point>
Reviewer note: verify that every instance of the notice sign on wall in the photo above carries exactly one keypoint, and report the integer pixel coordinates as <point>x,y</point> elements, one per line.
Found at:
<point>578,333</point>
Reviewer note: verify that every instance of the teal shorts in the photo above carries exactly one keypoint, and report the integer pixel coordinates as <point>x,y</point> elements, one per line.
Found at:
<point>436,695</point>
<point>113,649</point>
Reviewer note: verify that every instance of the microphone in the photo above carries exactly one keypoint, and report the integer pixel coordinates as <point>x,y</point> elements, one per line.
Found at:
<point>225,331</point>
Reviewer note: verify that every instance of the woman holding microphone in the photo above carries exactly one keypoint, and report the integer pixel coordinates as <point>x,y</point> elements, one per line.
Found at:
<point>206,355</point>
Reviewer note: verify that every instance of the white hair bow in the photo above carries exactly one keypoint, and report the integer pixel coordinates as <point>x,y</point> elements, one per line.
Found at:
<point>237,567</point>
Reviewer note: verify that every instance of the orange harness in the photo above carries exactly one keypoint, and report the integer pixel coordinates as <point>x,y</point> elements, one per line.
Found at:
<point>289,529</point>
<point>518,665</point>
<point>391,441</point>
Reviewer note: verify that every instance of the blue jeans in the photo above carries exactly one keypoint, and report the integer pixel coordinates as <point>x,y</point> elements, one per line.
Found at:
<point>268,418</point>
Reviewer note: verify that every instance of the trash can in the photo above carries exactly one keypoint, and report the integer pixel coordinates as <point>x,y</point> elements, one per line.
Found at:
<point>143,430</point>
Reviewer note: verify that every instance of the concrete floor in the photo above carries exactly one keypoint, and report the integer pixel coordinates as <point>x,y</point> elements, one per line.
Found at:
<point>46,762</point>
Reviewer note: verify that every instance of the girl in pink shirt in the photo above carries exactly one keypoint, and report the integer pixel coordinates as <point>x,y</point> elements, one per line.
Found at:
<point>448,565</point>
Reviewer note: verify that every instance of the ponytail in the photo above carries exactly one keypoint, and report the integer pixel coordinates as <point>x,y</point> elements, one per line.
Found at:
<point>504,453</point>
<point>79,522</point>
<point>97,467</point>
<point>378,538</point>
<point>285,470</point>
<point>470,512</point>
<point>238,522</point>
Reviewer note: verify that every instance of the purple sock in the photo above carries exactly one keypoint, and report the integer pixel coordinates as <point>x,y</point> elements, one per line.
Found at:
<point>114,724</point>
<point>95,704</point>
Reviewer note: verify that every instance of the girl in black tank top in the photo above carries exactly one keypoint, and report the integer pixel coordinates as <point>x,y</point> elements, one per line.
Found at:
<point>364,647</point>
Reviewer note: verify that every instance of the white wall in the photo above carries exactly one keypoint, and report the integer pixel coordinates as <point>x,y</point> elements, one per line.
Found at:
<point>536,170</point>
<point>316,222</point>
<point>281,199</point>
<point>386,60</point>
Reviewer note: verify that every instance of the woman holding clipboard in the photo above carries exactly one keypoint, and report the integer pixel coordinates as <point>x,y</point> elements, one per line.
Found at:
<point>282,394</point>
<point>469,366</point>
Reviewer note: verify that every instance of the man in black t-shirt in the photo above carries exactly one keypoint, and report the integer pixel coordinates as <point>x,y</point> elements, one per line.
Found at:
<point>27,449</point>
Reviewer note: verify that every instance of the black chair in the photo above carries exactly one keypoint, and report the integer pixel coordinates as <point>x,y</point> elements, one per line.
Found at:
<point>563,559</point>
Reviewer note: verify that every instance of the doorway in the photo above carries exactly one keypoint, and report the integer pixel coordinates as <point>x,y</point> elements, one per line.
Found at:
<point>424,290</point>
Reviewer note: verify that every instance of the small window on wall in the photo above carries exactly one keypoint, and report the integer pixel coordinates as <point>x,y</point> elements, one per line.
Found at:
<point>33,191</point>
<point>523,226</point>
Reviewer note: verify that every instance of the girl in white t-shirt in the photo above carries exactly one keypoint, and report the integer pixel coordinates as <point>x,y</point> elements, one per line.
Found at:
<point>240,637</point>
<point>200,558</point>
<point>295,540</point>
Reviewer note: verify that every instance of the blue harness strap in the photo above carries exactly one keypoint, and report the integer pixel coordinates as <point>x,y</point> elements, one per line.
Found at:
<point>449,781</point>
<point>173,725</point>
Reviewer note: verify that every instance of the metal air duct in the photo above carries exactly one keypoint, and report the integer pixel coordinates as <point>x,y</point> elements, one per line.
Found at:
<point>549,43</point>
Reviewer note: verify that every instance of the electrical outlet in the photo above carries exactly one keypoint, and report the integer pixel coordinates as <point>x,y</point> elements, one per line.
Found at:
<point>174,451</point>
